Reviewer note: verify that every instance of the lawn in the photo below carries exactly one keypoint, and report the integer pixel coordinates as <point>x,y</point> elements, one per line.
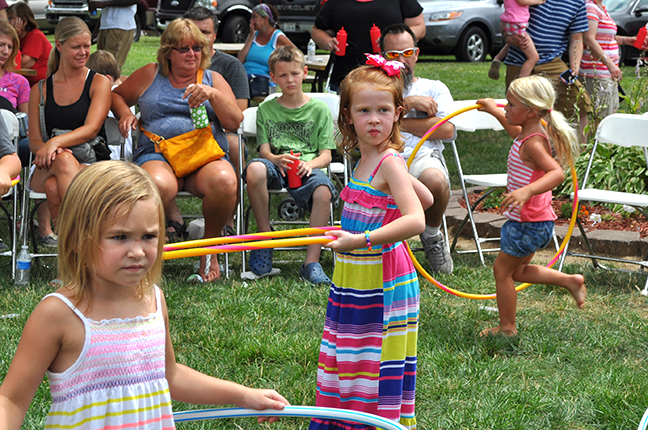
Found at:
<point>567,369</point>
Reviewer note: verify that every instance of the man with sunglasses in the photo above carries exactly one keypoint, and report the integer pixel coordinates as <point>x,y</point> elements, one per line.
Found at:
<point>426,102</point>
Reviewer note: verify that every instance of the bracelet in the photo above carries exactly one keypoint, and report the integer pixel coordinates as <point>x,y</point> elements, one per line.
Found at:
<point>367,239</point>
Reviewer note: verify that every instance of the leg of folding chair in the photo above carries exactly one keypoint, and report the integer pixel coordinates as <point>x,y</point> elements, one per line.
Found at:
<point>465,194</point>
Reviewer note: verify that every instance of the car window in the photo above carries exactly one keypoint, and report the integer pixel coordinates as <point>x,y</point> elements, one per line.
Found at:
<point>643,4</point>
<point>616,5</point>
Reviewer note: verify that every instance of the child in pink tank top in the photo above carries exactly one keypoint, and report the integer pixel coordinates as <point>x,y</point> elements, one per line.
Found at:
<point>515,21</point>
<point>532,173</point>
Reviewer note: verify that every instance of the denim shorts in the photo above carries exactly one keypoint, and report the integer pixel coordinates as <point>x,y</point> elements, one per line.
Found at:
<point>303,195</point>
<point>521,239</point>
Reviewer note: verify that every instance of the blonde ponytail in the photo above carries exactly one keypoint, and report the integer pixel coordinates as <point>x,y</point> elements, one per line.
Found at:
<point>537,92</point>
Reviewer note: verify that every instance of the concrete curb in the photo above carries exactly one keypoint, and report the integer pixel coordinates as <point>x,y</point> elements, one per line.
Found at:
<point>611,243</point>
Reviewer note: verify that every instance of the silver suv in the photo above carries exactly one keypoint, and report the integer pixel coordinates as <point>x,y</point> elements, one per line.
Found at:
<point>469,29</point>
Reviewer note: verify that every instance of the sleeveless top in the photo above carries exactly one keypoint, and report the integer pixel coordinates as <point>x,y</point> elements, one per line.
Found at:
<point>119,380</point>
<point>71,116</point>
<point>256,62</point>
<point>167,114</point>
<point>538,207</point>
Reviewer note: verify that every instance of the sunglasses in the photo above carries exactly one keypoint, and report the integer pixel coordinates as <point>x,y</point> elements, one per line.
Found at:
<point>392,55</point>
<point>185,49</point>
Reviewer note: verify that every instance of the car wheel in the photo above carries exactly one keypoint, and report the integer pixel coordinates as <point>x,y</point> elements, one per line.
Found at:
<point>235,29</point>
<point>472,46</point>
<point>138,29</point>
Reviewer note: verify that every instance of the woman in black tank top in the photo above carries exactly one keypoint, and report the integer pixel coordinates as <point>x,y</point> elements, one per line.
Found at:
<point>75,99</point>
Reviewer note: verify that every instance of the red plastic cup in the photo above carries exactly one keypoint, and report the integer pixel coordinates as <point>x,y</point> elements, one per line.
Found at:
<point>294,180</point>
<point>641,36</point>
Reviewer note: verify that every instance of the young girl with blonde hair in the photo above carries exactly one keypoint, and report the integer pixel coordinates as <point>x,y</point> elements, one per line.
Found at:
<point>367,358</point>
<point>103,339</point>
<point>532,173</point>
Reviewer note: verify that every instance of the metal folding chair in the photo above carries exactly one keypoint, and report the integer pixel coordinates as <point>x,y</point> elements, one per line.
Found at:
<point>471,121</point>
<point>622,130</point>
<point>11,122</point>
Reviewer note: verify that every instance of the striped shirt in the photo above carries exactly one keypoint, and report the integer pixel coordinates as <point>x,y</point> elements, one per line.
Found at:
<point>118,381</point>
<point>607,29</point>
<point>538,207</point>
<point>550,26</point>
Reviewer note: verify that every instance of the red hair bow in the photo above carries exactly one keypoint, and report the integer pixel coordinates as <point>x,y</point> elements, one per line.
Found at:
<point>391,68</point>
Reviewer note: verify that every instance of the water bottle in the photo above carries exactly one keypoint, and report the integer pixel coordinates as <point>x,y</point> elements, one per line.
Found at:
<point>310,56</point>
<point>23,264</point>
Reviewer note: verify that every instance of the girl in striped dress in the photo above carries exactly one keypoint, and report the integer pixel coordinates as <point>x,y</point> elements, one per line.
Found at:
<point>103,339</point>
<point>532,173</point>
<point>367,359</point>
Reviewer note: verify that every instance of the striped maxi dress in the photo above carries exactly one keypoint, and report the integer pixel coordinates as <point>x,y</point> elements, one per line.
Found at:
<point>367,359</point>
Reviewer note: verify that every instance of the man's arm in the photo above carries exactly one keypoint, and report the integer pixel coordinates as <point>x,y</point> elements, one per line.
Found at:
<point>575,52</point>
<point>420,126</point>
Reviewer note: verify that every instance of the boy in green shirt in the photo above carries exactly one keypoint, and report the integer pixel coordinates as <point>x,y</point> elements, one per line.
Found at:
<point>292,122</point>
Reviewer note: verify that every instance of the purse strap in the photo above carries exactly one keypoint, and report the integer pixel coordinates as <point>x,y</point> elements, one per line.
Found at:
<point>152,136</point>
<point>41,111</point>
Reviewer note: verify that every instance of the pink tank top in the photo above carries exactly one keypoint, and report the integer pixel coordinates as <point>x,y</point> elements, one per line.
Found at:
<point>538,207</point>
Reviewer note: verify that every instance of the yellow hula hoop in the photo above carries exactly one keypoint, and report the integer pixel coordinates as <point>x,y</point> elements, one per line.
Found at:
<point>449,290</point>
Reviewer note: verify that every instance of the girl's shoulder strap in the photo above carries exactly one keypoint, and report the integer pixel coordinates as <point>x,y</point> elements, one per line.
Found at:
<point>158,299</point>
<point>383,159</point>
<point>67,302</point>
<point>533,134</point>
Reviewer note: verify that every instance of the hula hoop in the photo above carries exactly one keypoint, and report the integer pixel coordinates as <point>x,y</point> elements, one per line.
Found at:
<point>458,293</point>
<point>644,421</point>
<point>15,180</point>
<point>249,237</point>
<point>290,411</point>
<point>260,244</point>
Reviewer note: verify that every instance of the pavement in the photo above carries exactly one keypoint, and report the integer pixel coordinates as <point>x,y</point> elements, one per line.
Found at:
<point>611,243</point>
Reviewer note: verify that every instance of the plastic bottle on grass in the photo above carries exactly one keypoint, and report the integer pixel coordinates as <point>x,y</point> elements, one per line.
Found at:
<point>23,264</point>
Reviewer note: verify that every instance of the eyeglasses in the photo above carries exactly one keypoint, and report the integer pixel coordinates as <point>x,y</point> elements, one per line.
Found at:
<point>392,55</point>
<point>185,49</point>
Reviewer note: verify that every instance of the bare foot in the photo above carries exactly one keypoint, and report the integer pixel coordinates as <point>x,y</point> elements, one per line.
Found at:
<point>577,289</point>
<point>497,330</point>
<point>213,271</point>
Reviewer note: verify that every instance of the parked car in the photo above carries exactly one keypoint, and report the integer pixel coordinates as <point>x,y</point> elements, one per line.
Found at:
<point>630,16</point>
<point>59,9</point>
<point>296,18</point>
<point>469,29</point>
<point>233,16</point>
<point>38,8</point>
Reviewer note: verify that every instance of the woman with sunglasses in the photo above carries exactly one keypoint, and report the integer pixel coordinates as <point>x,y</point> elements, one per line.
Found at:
<point>264,37</point>
<point>165,92</point>
<point>358,17</point>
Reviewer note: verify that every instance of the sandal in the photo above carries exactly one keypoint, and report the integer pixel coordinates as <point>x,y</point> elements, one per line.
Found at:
<point>313,273</point>
<point>178,235</point>
<point>261,261</point>
<point>228,230</point>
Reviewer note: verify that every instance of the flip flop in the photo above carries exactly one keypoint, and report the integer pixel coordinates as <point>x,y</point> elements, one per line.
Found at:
<point>180,233</point>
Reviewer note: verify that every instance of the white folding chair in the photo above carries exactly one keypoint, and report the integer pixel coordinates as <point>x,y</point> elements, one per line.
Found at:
<point>114,136</point>
<point>627,131</point>
<point>11,122</point>
<point>471,121</point>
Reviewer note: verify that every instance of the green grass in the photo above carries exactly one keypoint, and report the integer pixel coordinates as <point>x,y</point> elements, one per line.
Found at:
<point>568,369</point>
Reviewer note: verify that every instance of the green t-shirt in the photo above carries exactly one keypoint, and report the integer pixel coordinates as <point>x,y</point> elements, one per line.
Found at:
<point>307,129</point>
